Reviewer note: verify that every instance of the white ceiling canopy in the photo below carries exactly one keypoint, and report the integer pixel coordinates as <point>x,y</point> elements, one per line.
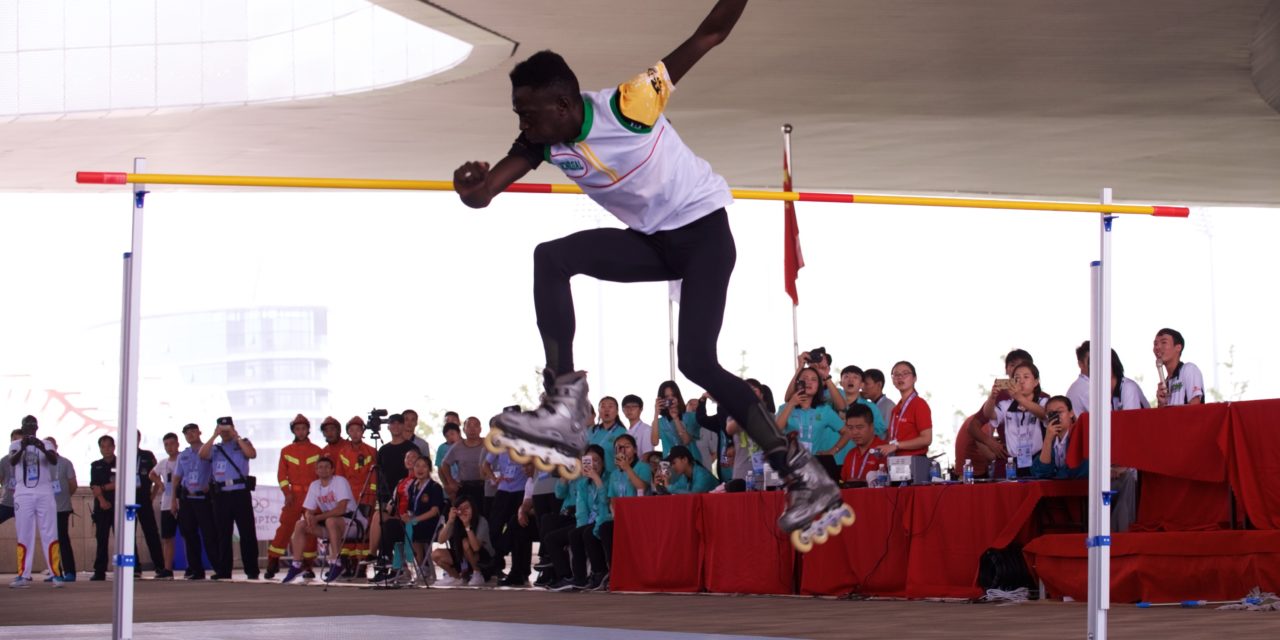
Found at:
<point>128,57</point>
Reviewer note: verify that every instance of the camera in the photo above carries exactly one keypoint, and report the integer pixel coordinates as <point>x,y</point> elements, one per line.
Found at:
<point>376,419</point>
<point>1051,417</point>
<point>224,421</point>
<point>817,355</point>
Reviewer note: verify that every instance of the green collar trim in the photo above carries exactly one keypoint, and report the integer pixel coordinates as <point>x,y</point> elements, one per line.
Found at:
<point>588,117</point>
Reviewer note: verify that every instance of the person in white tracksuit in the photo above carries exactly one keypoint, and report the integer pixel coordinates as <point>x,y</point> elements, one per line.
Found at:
<point>35,469</point>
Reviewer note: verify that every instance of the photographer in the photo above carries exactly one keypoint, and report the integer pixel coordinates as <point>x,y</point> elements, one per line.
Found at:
<point>193,477</point>
<point>1052,461</point>
<point>232,497</point>
<point>1020,418</point>
<point>820,362</point>
<point>589,495</point>
<point>687,476</point>
<point>466,536</point>
<point>418,504</point>
<point>811,417</point>
<point>34,463</point>
<point>673,426</point>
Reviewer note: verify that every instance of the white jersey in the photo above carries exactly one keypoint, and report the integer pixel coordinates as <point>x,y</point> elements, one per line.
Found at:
<point>1023,431</point>
<point>33,475</point>
<point>323,497</point>
<point>164,469</point>
<point>1184,384</point>
<point>641,432</point>
<point>1130,397</point>
<point>1078,394</point>
<point>630,160</point>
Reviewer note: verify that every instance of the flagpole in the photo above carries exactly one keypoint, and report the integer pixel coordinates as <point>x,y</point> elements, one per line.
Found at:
<point>786,168</point>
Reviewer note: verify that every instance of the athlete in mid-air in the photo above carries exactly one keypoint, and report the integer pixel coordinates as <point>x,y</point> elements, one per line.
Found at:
<point>619,147</point>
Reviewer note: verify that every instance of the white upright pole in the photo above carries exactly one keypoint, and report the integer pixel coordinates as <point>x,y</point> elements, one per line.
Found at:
<point>1098,540</point>
<point>127,446</point>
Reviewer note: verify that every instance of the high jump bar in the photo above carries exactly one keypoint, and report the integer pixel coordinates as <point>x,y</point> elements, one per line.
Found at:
<point>101,177</point>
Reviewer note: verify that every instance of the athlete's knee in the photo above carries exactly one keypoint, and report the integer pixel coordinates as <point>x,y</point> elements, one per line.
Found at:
<point>700,369</point>
<point>548,256</point>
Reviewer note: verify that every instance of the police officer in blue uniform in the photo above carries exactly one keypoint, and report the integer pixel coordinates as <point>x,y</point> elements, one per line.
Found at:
<point>232,498</point>
<point>192,477</point>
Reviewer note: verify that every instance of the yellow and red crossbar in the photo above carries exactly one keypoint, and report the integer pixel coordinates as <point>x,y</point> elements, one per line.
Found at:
<point>100,177</point>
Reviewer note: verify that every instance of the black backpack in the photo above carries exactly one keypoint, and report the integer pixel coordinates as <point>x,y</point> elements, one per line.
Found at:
<point>1005,569</point>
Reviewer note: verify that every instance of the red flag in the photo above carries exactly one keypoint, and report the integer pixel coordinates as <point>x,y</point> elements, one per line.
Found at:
<point>792,259</point>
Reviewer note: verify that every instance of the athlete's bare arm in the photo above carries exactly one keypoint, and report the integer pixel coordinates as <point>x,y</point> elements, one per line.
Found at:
<point>477,184</point>
<point>713,30</point>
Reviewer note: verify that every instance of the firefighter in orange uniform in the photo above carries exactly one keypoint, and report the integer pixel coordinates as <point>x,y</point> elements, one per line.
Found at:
<point>295,473</point>
<point>357,463</point>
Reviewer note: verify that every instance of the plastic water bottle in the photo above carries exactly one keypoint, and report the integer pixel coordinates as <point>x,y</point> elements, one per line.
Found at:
<point>757,467</point>
<point>751,480</point>
<point>882,477</point>
<point>935,471</point>
<point>1010,469</point>
<point>968,471</point>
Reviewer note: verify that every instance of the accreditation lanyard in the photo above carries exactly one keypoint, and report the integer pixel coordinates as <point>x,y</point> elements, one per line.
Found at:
<point>862,467</point>
<point>897,416</point>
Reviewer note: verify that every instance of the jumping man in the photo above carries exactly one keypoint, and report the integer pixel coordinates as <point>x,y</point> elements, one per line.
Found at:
<point>619,147</point>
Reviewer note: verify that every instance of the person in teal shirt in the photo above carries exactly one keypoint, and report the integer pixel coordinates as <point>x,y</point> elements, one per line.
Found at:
<point>808,414</point>
<point>687,476</point>
<point>605,432</point>
<point>591,509</point>
<point>673,425</point>
<point>452,434</point>
<point>851,387</point>
<point>631,476</point>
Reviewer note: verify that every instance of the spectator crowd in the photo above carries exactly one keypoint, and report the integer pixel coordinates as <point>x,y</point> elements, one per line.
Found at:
<point>462,516</point>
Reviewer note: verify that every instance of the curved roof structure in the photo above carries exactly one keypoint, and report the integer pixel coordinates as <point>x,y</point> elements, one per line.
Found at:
<point>1163,100</point>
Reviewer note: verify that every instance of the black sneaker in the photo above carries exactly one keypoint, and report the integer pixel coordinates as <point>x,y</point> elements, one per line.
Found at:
<point>193,576</point>
<point>309,574</point>
<point>514,582</point>
<point>98,577</point>
<point>563,584</point>
<point>543,565</point>
<point>546,579</point>
<point>381,575</point>
<point>597,580</point>
<point>269,574</point>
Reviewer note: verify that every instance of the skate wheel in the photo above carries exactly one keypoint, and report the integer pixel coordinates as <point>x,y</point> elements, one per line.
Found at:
<point>519,458</point>
<point>543,465</point>
<point>570,472</point>
<point>848,517</point>
<point>821,536</point>
<point>799,541</point>
<point>493,441</point>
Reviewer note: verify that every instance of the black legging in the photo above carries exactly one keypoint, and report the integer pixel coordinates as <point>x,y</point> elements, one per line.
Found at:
<point>702,253</point>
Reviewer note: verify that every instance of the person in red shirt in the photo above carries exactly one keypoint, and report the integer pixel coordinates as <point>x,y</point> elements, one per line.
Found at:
<point>296,471</point>
<point>865,457</point>
<point>911,422</point>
